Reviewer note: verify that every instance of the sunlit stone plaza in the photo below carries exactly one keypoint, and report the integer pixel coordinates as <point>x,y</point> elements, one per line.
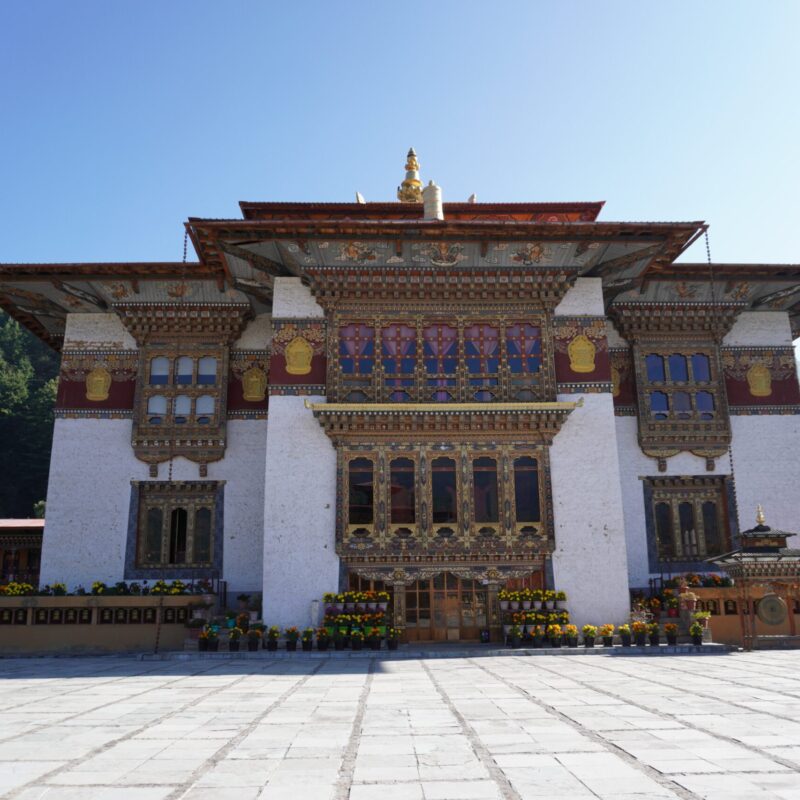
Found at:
<point>724,726</point>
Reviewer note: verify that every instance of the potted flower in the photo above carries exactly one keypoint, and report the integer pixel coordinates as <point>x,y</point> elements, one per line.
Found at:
<point>234,634</point>
<point>195,625</point>
<point>514,636</point>
<point>559,597</point>
<point>639,630</point>
<point>323,638</point>
<point>671,630</point>
<point>253,638</point>
<point>702,617</point>
<point>688,600</point>
<point>356,639</point>
<point>537,634</point>
<point>292,635</point>
<point>243,621</point>
<point>655,606</point>
<point>571,632</point>
<point>374,636</point>
<point>653,634</point>
<point>383,600</point>
<point>696,632</point>
<point>244,601</point>
<point>273,634</point>
<point>339,637</point>
<point>307,639</point>
<point>525,598</point>
<point>393,637</point>
<point>607,634</point>
<point>589,634</point>
<point>554,634</point>
<point>513,601</point>
<point>209,640</point>
<point>624,632</point>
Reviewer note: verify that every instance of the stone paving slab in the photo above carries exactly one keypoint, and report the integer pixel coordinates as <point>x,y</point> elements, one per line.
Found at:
<point>375,728</point>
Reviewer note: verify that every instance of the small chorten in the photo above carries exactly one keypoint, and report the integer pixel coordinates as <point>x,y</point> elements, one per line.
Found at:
<point>410,190</point>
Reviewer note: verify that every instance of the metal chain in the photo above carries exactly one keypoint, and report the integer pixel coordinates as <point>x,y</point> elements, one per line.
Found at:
<point>180,300</point>
<point>719,345</point>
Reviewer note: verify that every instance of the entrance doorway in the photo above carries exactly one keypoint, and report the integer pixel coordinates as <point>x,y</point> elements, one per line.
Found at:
<point>445,608</point>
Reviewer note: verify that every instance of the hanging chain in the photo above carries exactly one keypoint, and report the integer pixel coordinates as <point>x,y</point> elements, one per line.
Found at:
<point>180,301</point>
<point>718,338</point>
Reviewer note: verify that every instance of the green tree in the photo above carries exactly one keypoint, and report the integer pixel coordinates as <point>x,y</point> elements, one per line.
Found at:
<point>28,370</point>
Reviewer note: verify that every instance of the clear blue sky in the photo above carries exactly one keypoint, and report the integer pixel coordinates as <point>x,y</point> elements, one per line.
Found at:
<point>120,119</point>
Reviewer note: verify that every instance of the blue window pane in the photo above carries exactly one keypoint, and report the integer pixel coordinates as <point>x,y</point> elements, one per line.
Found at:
<point>492,364</point>
<point>366,366</point>
<point>678,370</point>
<point>346,365</point>
<point>483,396</point>
<point>449,364</point>
<point>655,367</point>
<point>659,401</point>
<point>431,366</point>
<point>473,365</point>
<point>534,364</point>
<point>515,365</point>
<point>681,401</point>
<point>389,366</point>
<point>407,364</point>
<point>701,369</point>
<point>704,401</point>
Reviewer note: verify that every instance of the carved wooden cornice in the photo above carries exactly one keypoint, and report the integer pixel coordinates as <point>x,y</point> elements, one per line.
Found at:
<point>375,422</point>
<point>405,572</point>
<point>642,320</point>
<point>221,323</point>
<point>348,286</point>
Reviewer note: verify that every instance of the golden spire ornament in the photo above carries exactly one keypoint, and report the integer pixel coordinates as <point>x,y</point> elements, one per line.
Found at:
<point>410,191</point>
<point>760,518</point>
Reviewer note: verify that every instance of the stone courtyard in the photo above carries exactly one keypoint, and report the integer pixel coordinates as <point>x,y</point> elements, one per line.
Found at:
<point>722,727</point>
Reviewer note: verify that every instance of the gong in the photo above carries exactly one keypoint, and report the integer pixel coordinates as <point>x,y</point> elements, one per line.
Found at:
<point>771,609</point>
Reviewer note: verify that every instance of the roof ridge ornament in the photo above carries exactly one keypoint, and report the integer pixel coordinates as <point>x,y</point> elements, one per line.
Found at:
<point>760,518</point>
<point>410,190</point>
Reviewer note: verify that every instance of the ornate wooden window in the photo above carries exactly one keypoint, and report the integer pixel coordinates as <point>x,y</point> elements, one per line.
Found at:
<point>454,360</point>
<point>423,501</point>
<point>679,386</point>
<point>689,518</point>
<point>176,525</point>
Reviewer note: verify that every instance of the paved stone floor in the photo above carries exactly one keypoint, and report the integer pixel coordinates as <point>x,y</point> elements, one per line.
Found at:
<point>724,727</point>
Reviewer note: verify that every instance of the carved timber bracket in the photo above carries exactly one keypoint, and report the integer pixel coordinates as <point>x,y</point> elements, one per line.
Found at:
<point>635,320</point>
<point>220,323</point>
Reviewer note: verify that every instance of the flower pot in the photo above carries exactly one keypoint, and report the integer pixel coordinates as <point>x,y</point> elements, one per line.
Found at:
<point>213,645</point>
<point>348,606</point>
<point>543,607</point>
<point>306,646</point>
<point>555,605</point>
<point>383,605</point>
<point>202,645</point>
<point>375,644</point>
<point>572,641</point>
<point>697,640</point>
<point>526,604</point>
<point>673,612</point>
<point>252,645</point>
<point>672,639</point>
<point>608,641</point>
<point>322,644</point>
<point>233,646</point>
<point>291,646</point>
<point>391,644</point>
<point>272,645</point>
<point>371,606</point>
<point>655,639</point>
<point>356,644</point>
<point>339,606</point>
<point>338,644</point>
<point>513,605</point>
<point>588,641</point>
<point>641,639</point>
<point>555,641</point>
<point>626,639</point>
<point>537,640</point>
<point>504,605</point>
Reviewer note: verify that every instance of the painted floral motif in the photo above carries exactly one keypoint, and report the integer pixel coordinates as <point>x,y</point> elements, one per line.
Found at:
<point>442,254</point>
<point>741,291</point>
<point>529,254</point>
<point>119,291</point>
<point>357,252</point>
<point>685,290</point>
<point>313,333</point>
<point>737,363</point>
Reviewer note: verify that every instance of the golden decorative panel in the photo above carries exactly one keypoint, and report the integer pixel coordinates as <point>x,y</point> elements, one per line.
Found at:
<point>581,353</point>
<point>298,354</point>
<point>98,382</point>
<point>254,384</point>
<point>759,381</point>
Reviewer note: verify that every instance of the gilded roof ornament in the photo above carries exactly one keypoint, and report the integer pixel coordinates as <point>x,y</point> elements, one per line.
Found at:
<point>760,518</point>
<point>410,190</point>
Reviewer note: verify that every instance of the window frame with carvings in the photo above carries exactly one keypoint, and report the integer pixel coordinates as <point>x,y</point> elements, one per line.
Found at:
<point>476,367</point>
<point>667,501</point>
<point>470,474</point>
<point>158,504</point>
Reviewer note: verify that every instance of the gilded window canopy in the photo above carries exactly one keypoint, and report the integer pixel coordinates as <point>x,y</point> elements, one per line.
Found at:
<point>459,422</point>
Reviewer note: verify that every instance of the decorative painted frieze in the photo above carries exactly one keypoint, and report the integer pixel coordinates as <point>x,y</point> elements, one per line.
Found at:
<point>761,380</point>
<point>298,361</point>
<point>96,383</point>
<point>623,382</point>
<point>581,354</point>
<point>248,384</point>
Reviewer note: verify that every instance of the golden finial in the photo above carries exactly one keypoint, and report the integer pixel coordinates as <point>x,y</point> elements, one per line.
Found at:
<point>410,191</point>
<point>760,518</point>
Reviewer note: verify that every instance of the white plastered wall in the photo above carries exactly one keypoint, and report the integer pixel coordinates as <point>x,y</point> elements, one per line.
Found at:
<point>300,561</point>
<point>766,448</point>
<point>89,490</point>
<point>589,561</point>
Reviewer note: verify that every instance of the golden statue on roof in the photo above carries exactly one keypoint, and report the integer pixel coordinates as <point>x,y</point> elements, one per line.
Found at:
<point>410,190</point>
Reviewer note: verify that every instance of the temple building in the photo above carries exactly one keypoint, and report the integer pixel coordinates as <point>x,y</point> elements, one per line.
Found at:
<point>439,399</point>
